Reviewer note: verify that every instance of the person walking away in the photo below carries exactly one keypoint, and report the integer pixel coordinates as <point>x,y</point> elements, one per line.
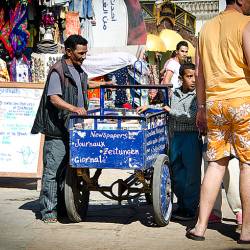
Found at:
<point>223,96</point>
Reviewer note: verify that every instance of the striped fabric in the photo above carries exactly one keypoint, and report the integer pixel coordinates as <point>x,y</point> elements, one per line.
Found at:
<point>183,112</point>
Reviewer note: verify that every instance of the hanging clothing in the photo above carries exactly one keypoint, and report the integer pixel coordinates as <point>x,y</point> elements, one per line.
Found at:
<point>84,7</point>
<point>4,74</point>
<point>5,29</point>
<point>86,31</point>
<point>20,70</point>
<point>72,23</point>
<point>19,34</point>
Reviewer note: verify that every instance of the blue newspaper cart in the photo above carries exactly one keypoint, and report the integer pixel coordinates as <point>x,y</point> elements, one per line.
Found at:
<point>109,138</point>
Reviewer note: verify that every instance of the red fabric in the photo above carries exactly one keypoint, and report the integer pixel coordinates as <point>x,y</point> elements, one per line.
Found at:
<point>127,106</point>
<point>72,23</point>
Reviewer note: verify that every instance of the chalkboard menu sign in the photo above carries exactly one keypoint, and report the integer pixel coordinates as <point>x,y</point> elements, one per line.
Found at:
<point>19,150</point>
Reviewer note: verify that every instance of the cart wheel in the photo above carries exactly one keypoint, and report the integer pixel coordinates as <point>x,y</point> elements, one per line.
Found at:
<point>76,196</point>
<point>161,191</point>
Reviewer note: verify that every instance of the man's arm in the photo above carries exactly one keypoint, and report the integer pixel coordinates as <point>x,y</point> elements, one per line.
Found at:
<point>246,44</point>
<point>200,81</point>
<point>201,121</point>
<point>58,102</point>
<point>96,84</point>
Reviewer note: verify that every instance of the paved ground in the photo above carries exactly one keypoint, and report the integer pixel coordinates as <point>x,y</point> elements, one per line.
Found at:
<point>108,226</point>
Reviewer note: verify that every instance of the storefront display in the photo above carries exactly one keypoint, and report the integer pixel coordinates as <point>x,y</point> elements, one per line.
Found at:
<point>4,74</point>
<point>32,33</point>
<point>20,70</point>
<point>41,64</point>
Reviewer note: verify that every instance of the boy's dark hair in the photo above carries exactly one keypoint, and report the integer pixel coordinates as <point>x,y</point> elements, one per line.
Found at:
<point>230,2</point>
<point>181,43</point>
<point>184,67</point>
<point>73,40</point>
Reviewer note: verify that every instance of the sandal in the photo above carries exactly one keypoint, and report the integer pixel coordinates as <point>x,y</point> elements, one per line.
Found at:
<point>49,220</point>
<point>192,236</point>
<point>243,241</point>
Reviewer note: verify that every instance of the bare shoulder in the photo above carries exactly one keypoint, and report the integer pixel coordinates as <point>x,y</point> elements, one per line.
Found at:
<point>246,43</point>
<point>247,27</point>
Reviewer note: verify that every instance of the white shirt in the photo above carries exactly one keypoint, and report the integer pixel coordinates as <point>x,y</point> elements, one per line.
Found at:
<point>173,66</point>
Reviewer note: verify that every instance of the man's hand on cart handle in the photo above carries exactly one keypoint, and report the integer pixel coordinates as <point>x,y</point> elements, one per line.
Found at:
<point>79,111</point>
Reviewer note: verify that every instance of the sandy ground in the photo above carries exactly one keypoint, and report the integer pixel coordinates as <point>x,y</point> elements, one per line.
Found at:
<point>108,225</point>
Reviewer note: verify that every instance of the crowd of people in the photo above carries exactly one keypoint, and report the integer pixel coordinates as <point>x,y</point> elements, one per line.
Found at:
<point>209,103</point>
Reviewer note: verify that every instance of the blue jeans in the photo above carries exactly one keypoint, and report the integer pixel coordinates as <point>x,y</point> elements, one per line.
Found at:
<point>185,165</point>
<point>55,159</point>
<point>84,7</point>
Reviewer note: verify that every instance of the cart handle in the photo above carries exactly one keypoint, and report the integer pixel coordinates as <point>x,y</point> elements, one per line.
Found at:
<point>118,118</point>
<point>107,86</point>
<point>162,86</point>
<point>74,116</point>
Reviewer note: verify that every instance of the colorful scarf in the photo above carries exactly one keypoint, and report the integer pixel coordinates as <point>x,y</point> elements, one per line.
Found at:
<point>5,29</point>
<point>19,34</point>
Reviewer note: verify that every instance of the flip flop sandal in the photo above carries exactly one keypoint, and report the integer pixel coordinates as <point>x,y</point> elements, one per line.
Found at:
<point>192,236</point>
<point>50,220</point>
<point>243,241</point>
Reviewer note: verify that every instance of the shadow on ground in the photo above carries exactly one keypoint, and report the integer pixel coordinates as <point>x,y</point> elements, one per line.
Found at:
<point>107,213</point>
<point>132,212</point>
<point>33,206</point>
<point>225,228</point>
<point>23,183</point>
<point>122,214</point>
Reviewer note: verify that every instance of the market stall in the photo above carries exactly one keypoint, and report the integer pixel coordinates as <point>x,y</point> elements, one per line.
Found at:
<point>32,33</point>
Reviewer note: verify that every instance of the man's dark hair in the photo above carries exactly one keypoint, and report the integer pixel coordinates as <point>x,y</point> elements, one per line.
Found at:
<point>158,99</point>
<point>230,2</point>
<point>181,43</point>
<point>73,40</point>
<point>184,67</point>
